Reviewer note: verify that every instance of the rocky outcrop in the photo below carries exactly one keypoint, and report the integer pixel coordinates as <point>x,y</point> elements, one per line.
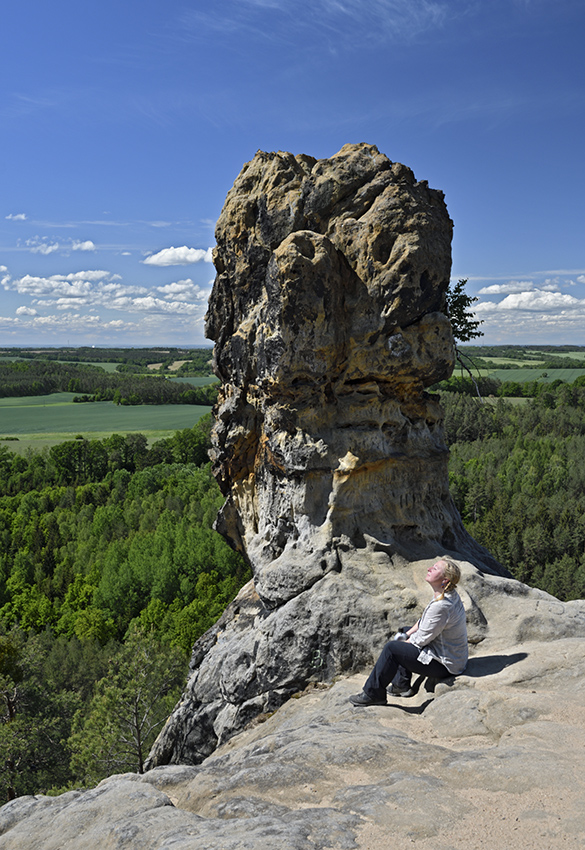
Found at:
<point>328,324</point>
<point>326,316</point>
<point>327,319</point>
<point>493,760</point>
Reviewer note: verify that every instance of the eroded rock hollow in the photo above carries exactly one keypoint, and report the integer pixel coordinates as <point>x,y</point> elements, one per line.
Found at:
<point>327,316</point>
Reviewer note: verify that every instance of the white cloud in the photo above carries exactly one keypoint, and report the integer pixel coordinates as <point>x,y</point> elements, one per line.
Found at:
<point>505,288</point>
<point>185,290</point>
<point>182,256</point>
<point>535,300</point>
<point>88,245</point>
<point>72,285</point>
<point>16,217</point>
<point>98,289</point>
<point>581,278</point>
<point>157,305</point>
<point>3,269</point>
<point>41,245</point>
<point>26,311</point>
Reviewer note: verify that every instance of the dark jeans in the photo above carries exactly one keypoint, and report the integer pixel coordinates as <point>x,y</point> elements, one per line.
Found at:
<point>397,662</point>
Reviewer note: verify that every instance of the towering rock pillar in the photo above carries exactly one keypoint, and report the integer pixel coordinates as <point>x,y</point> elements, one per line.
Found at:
<point>327,319</point>
<point>327,316</point>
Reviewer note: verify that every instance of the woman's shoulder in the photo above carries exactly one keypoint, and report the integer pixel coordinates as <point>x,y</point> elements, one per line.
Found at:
<point>452,598</point>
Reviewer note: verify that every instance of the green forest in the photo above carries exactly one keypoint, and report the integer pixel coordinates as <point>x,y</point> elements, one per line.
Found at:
<point>194,361</point>
<point>41,377</point>
<point>110,569</point>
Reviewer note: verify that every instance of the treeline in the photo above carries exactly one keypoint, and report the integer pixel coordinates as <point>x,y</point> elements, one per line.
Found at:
<point>517,475</point>
<point>40,377</point>
<point>517,352</point>
<point>109,571</point>
<point>199,358</point>
<point>483,385</point>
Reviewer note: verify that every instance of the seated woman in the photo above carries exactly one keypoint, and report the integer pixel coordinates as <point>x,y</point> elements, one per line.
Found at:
<point>435,646</point>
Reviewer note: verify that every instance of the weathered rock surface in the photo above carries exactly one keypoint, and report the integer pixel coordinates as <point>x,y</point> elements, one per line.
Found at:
<point>326,315</point>
<point>494,760</point>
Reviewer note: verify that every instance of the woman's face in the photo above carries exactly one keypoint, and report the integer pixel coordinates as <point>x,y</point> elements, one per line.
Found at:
<point>436,575</point>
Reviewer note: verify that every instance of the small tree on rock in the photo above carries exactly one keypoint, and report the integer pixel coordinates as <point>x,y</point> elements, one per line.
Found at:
<point>127,710</point>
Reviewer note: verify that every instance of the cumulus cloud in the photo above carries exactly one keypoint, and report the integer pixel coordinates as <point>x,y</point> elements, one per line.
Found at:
<point>185,290</point>
<point>98,289</point>
<point>88,245</point>
<point>534,300</point>
<point>71,285</point>
<point>505,288</point>
<point>42,245</point>
<point>182,256</point>
<point>16,217</point>
<point>26,311</point>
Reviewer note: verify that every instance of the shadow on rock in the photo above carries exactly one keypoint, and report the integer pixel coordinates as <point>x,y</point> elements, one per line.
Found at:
<point>488,665</point>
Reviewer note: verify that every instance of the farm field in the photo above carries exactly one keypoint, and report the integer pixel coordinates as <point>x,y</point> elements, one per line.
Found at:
<point>46,420</point>
<point>522,375</point>
<point>197,381</point>
<point>574,355</point>
<point>511,360</point>
<point>509,400</point>
<point>107,367</point>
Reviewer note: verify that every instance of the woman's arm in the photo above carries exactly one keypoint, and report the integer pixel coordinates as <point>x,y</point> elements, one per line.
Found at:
<point>414,629</point>
<point>431,624</point>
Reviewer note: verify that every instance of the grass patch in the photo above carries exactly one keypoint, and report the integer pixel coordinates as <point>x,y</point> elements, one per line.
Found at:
<point>509,400</point>
<point>202,381</point>
<point>574,355</point>
<point>523,375</point>
<point>520,363</point>
<point>55,418</point>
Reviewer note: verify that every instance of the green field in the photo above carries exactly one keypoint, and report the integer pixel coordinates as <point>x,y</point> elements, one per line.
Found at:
<point>47,420</point>
<point>515,400</point>
<point>522,375</point>
<point>197,382</point>
<point>107,367</point>
<point>574,355</point>
<point>497,360</point>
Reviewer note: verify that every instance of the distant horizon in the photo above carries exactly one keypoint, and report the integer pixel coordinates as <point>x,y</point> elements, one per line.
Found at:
<point>210,345</point>
<point>37,346</point>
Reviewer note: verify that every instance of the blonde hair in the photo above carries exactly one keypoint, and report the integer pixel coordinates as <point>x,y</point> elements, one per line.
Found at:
<point>451,572</point>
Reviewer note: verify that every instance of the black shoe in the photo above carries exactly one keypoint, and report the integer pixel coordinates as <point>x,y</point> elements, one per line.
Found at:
<point>364,699</point>
<point>400,692</point>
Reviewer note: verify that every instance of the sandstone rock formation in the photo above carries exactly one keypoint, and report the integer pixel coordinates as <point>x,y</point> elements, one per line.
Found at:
<point>492,761</point>
<point>326,316</point>
<point>328,325</point>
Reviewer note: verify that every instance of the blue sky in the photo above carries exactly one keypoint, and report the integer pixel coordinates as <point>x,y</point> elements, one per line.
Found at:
<point>125,123</point>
